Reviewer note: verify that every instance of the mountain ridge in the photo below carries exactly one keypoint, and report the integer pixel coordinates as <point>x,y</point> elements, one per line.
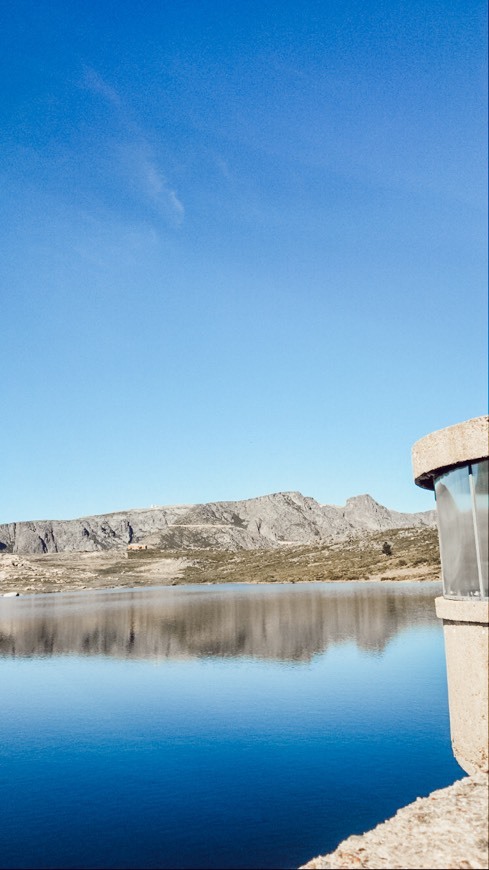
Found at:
<point>273,520</point>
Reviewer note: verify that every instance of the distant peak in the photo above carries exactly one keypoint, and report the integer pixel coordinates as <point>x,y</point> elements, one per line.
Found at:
<point>365,498</point>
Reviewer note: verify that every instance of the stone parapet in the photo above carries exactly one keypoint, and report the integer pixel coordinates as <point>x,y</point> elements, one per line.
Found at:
<point>446,829</point>
<point>456,445</point>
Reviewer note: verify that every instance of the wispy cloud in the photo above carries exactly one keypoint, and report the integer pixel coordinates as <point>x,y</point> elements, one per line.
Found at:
<point>92,81</point>
<point>143,174</point>
<point>223,166</point>
<point>134,157</point>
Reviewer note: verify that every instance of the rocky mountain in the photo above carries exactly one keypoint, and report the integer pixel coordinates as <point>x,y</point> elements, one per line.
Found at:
<point>267,521</point>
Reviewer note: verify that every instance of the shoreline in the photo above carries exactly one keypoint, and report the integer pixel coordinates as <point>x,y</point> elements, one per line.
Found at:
<point>23,593</point>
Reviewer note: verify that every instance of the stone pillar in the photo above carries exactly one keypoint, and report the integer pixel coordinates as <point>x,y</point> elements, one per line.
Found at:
<point>454,463</point>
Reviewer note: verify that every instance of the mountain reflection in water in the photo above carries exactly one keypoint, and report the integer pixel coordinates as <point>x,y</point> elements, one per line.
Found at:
<point>283,623</point>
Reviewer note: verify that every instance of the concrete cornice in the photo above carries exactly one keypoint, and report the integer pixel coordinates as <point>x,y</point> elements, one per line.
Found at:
<point>447,448</point>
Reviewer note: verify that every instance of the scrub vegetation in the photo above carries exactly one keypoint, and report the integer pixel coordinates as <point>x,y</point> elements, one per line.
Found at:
<point>414,555</point>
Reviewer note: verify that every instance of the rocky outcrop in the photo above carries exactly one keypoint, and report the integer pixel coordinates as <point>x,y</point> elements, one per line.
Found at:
<point>364,512</point>
<point>267,521</point>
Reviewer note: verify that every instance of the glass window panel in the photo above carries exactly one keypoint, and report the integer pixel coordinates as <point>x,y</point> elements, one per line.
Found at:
<point>457,538</point>
<point>480,472</point>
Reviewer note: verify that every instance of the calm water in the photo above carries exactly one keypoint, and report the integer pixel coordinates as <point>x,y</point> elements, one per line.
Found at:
<point>202,727</point>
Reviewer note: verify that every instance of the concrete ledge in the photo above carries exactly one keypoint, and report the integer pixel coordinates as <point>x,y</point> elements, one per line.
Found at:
<point>462,611</point>
<point>446,448</point>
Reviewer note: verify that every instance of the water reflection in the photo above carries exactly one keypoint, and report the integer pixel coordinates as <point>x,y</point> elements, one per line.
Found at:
<point>283,622</point>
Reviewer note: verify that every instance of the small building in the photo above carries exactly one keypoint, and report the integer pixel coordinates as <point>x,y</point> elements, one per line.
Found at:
<point>137,546</point>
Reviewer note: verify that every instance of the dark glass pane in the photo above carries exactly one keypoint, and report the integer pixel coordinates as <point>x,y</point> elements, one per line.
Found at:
<point>480,471</point>
<point>457,538</point>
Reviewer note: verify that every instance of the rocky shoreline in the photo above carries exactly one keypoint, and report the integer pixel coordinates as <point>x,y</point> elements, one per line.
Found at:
<point>446,830</point>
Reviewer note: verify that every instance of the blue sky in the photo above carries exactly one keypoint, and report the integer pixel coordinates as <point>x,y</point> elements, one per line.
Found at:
<point>243,248</point>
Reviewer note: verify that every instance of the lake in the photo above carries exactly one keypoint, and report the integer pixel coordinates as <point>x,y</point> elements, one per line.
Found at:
<point>215,726</point>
